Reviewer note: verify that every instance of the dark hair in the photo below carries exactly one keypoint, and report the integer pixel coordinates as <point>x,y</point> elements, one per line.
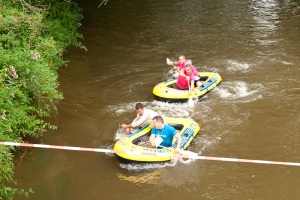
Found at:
<point>139,106</point>
<point>158,118</point>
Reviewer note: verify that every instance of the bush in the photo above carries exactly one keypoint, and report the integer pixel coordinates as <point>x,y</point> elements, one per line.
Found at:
<point>33,38</point>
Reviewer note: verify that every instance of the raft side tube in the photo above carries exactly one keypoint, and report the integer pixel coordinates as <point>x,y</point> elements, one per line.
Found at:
<point>133,153</point>
<point>168,92</point>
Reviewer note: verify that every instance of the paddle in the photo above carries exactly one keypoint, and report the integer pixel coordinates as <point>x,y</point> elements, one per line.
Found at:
<point>169,61</point>
<point>191,98</point>
<point>175,73</point>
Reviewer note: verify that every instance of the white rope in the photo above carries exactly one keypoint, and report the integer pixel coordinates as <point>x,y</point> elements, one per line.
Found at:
<point>183,154</point>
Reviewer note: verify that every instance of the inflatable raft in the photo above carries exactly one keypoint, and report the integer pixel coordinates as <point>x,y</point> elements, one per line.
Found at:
<point>168,92</point>
<point>186,127</point>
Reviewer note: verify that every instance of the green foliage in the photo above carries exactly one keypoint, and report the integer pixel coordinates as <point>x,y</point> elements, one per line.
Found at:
<point>6,175</point>
<point>33,38</point>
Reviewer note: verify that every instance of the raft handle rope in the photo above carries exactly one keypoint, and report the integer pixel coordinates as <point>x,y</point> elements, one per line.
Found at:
<point>183,154</point>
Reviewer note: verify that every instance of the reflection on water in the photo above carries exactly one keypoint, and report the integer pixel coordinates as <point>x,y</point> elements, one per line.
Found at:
<point>152,173</point>
<point>265,15</point>
<point>152,177</point>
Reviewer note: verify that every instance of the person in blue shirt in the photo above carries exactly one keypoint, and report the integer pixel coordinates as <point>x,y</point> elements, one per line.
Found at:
<point>166,132</point>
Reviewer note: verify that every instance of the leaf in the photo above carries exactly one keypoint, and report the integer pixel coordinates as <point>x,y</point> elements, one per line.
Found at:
<point>10,102</point>
<point>27,70</point>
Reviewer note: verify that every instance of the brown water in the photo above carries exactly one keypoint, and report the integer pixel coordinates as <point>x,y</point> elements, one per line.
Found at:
<point>254,113</point>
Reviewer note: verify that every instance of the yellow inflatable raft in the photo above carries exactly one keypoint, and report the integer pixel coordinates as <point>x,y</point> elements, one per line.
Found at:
<point>167,91</point>
<point>128,150</point>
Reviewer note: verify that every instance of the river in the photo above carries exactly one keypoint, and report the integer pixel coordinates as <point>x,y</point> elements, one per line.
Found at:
<point>253,114</point>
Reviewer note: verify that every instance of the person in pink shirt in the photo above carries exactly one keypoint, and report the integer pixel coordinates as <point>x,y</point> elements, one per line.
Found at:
<point>186,78</point>
<point>183,62</point>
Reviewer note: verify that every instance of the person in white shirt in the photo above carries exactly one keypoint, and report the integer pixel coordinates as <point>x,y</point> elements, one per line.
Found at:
<point>143,115</point>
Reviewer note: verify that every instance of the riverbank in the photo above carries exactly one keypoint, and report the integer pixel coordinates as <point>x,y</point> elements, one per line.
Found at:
<point>32,44</point>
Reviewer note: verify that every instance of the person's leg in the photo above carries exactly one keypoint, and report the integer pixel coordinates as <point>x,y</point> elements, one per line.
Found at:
<point>145,144</point>
<point>198,83</point>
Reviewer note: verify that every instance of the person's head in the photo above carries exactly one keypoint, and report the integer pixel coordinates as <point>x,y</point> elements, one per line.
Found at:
<point>139,108</point>
<point>158,122</point>
<point>182,59</point>
<point>188,69</point>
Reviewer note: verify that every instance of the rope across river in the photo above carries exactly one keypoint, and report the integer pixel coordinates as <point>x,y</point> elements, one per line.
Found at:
<point>183,154</point>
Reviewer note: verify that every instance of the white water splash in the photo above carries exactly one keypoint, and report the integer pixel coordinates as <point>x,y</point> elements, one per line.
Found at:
<point>239,90</point>
<point>207,69</point>
<point>120,133</point>
<point>287,63</point>
<point>236,66</point>
<point>120,108</point>
<point>147,166</point>
<point>150,166</point>
<point>173,109</point>
<point>165,109</point>
<point>192,102</point>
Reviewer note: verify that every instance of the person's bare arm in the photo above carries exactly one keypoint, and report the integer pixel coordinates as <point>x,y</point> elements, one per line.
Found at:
<point>179,141</point>
<point>192,87</point>
<point>152,140</point>
<point>139,120</point>
<point>126,126</point>
<point>136,122</point>
<point>181,73</point>
<point>174,63</point>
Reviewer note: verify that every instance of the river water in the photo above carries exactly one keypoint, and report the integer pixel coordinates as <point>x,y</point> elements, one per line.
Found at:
<point>253,114</point>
